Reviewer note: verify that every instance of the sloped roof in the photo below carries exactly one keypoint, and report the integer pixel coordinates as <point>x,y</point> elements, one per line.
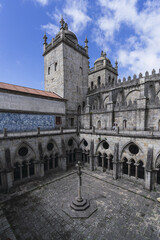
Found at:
<point>26,90</point>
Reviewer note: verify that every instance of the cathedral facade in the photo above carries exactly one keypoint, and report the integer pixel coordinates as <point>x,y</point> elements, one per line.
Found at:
<point>85,114</point>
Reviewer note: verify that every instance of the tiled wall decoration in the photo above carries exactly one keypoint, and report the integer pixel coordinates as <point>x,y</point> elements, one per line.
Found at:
<point>26,122</point>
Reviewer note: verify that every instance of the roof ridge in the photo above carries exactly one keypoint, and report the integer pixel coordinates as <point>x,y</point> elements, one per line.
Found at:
<point>26,88</point>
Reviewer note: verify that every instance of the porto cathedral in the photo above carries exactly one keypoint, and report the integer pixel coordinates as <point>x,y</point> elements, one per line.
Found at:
<point>84,114</point>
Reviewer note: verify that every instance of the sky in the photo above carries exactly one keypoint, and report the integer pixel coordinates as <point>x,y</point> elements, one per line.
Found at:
<point>128,30</point>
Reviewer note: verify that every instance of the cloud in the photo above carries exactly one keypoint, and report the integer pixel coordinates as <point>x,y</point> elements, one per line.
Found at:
<point>51,29</point>
<point>42,2</point>
<point>140,49</point>
<point>76,12</point>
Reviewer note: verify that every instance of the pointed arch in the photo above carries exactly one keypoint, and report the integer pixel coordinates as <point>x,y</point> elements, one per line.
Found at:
<point>126,145</point>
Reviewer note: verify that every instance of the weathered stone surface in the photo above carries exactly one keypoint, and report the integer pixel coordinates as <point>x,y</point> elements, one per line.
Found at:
<point>124,211</point>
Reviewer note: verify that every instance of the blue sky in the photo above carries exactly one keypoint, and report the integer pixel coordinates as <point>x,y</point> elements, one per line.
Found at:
<point>128,30</point>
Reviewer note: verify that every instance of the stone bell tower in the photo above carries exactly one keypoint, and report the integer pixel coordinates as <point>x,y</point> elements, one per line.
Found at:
<point>66,68</point>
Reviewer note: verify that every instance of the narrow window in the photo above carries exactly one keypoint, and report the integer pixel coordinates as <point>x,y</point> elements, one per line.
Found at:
<point>81,70</point>
<point>58,120</point>
<point>49,70</point>
<point>99,81</point>
<point>55,66</point>
<point>109,79</point>
<point>124,124</point>
<point>92,85</point>
<point>72,122</point>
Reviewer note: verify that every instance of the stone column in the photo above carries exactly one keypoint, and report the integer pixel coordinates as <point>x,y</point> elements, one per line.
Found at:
<point>129,169</point>
<point>96,161</point>
<point>148,180</point>
<point>108,163</point>
<point>91,162</point>
<point>115,161</point>
<point>136,174</point>
<point>41,169</point>
<point>103,163</point>
<point>148,170</point>
<point>8,183</point>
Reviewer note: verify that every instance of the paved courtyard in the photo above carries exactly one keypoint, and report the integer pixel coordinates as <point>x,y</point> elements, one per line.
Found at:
<point>123,211</point>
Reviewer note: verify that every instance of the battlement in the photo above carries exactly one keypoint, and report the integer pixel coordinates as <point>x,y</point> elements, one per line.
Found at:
<point>126,82</point>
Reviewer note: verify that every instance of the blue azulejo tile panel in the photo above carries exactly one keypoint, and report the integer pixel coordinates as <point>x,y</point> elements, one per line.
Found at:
<point>26,122</point>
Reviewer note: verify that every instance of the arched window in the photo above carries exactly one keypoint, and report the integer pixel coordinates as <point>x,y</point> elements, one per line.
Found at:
<point>79,109</point>
<point>51,162</point>
<point>159,125</point>
<point>31,167</point>
<point>81,70</point>
<point>109,79</point>
<point>105,161</point>
<point>99,81</point>
<point>16,171</point>
<point>49,70</point>
<point>56,160</point>
<point>140,170</point>
<point>55,66</point>
<point>92,85</point>
<point>45,163</point>
<point>74,155</point>
<point>24,170</point>
<point>124,124</point>
<point>113,80</point>
<point>125,166</point>
<point>99,124</point>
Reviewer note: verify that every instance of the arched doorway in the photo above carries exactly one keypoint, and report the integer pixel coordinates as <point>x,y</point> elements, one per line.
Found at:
<point>99,160</point>
<point>125,166</point>
<point>105,161</point>
<point>56,160</point>
<point>111,162</point>
<point>31,167</point>
<point>140,170</point>
<point>24,169</point>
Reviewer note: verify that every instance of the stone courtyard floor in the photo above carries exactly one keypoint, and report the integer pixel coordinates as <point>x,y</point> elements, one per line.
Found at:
<point>124,210</point>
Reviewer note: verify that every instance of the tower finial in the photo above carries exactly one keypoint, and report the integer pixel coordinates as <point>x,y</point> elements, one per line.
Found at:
<point>86,45</point>
<point>45,41</point>
<point>86,42</point>
<point>102,53</point>
<point>62,22</point>
<point>116,64</point>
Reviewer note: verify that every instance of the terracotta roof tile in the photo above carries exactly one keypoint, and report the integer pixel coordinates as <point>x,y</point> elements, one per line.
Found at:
<point>16,88</point>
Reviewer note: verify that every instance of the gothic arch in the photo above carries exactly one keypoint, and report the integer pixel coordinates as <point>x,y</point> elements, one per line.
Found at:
<point>74,145</point>
<point>125,146</point>
<point>81,145</point>
<point>30,154</point>
<point>157,160</point>
<point>103,150</point>
<point>55,148</point>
